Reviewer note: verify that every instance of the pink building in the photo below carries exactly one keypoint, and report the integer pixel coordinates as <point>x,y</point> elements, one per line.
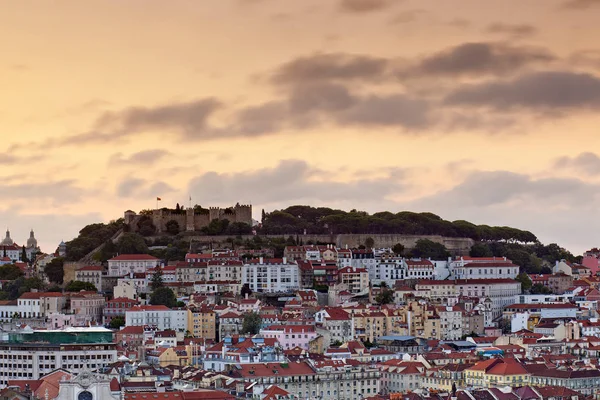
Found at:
<point>592,262</point>
<point>290,336</point>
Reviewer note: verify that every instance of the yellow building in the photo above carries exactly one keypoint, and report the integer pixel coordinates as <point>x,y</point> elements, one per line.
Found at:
<point>202,323</point>
<point>497,372</point>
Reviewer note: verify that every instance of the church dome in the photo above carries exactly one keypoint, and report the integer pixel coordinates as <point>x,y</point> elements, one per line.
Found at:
<point>32,241</point>
<point>7,241</point>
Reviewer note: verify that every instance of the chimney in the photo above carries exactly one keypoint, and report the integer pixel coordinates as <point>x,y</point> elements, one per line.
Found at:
<point>284,260</point>
<point>260,260</point>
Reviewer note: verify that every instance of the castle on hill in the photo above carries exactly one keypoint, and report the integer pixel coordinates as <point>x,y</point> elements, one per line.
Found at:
<point>193,218</point>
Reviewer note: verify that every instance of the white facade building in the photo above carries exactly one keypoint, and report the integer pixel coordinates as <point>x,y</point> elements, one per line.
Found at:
<point>160,316</point>
<point>126,264</point>
<point>271,275</point>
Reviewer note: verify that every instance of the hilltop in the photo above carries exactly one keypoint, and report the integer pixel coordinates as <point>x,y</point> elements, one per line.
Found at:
<point>290,225</point>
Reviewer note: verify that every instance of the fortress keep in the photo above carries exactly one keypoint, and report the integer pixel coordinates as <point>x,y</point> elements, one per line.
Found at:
<point>191,219</point>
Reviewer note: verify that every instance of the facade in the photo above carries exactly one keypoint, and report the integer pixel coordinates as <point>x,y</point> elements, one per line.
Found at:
<point>161,317</point>
<point>87,308</point>
<point>290,336</point>
<point>92,274</point>
<point>38,353</point>
<point>497,372</point>
<point>202,322</point>
<point>126,264</point>
<point>419,269</point>
<point>398,376</point>
<point>117,308</point>
<point>40,304</point>
<point>357,279</point>
<point>271,275</point>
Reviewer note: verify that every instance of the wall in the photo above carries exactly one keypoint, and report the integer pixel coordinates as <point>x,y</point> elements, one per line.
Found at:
<point>457,246</point>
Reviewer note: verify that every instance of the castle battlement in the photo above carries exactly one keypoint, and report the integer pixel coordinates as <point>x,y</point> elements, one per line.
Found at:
<point>189,221</point>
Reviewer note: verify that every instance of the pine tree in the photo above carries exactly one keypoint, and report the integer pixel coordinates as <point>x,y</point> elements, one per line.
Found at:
<point>177,208</point>
<point>24,255</point>
<point>262,218</point>
<point>157,279</point>
<point>5,251</point>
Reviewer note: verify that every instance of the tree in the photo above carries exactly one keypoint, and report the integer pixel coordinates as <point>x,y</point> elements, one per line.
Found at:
<point>336,343</point>
<point>173,227</point>
<point>369,242</point>
<point>131,243</point>
<point>480,250</point>
<point>425,248</point>
<point>157,279</point>
<point>385,296</point>
<point>180,304</point>
<point>117,322</point>
<point>9,272</point>
<point>538,288</point>
<point>246,290</point>
<point>76,286</point>
<point>262,216</point>
<point>525,281</point>
<point>54,270</point>
<point>24,255</point>
<point>146,226</point>
<point>398,248</point>
<point>251,323</point>
<point>163,296</point>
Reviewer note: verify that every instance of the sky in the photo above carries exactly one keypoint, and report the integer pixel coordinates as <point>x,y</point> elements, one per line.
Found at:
<point>478,110</point>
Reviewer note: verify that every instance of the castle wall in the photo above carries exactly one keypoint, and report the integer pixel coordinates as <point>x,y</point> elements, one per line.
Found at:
<point>456,246</point>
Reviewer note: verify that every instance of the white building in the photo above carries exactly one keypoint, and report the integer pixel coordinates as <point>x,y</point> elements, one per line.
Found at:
<point>400,376</point>
<point>483,268</point>
<point>224,271</point>
<point>344,258</point>
<point>92,274</point>
<point>15,252</point>
<point>419,269</point>
<point>131,263</point>
<point>160,316</point>
<point>271,275</point>
<point>40,304</point>
<point>501,292</point>
<point>388,269</point>
<point>28,360</point>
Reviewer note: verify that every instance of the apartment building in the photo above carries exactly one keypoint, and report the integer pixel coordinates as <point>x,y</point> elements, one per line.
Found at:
<point>161,317</point>
<point>126,264</point>
<point>271,275</point>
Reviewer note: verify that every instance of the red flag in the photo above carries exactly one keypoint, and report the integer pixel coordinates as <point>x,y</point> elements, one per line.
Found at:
<point>158,199</point>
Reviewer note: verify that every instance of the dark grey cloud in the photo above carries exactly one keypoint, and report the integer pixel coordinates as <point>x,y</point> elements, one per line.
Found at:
<point>536,90</point>
<point>477,59</point>
<point>187,118</point>
<point>142,157</point>
<point>587,162</point>
<point>323,103</point>
<point>580,4</point>
<point>389,110</point>
<point>364,6</point>
<point>291,181</point>
<point>491,188</point>
<point>513,30</point>
<point>330,67</point>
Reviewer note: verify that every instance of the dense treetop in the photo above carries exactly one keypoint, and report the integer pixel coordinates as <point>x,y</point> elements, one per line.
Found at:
<point>323,220</point>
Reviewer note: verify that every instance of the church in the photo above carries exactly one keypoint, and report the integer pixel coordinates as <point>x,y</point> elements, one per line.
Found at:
<point>10,252</point>
<point>87,386</point>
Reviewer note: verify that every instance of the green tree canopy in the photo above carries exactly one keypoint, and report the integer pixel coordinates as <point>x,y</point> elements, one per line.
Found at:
<point>117,322</point>
<point>131,243</point>
<point>9,272</point>
<point>398,249</point>
<point>157,279</point>
<point>251,323</point>
<point>538,288</point>
<point>54,270</point>
<point>425,248</point>
<point>369,242</point>
<point>76,286</point>
<point>525,281</point>
<point>173,227</point>
<point>163,296</point>
<point>385,296</point>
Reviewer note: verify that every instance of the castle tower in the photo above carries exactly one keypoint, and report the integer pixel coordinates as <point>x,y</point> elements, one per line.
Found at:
<point>189,220</point>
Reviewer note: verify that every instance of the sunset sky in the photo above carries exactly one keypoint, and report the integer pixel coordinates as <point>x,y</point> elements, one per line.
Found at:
<point>471,109</point>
